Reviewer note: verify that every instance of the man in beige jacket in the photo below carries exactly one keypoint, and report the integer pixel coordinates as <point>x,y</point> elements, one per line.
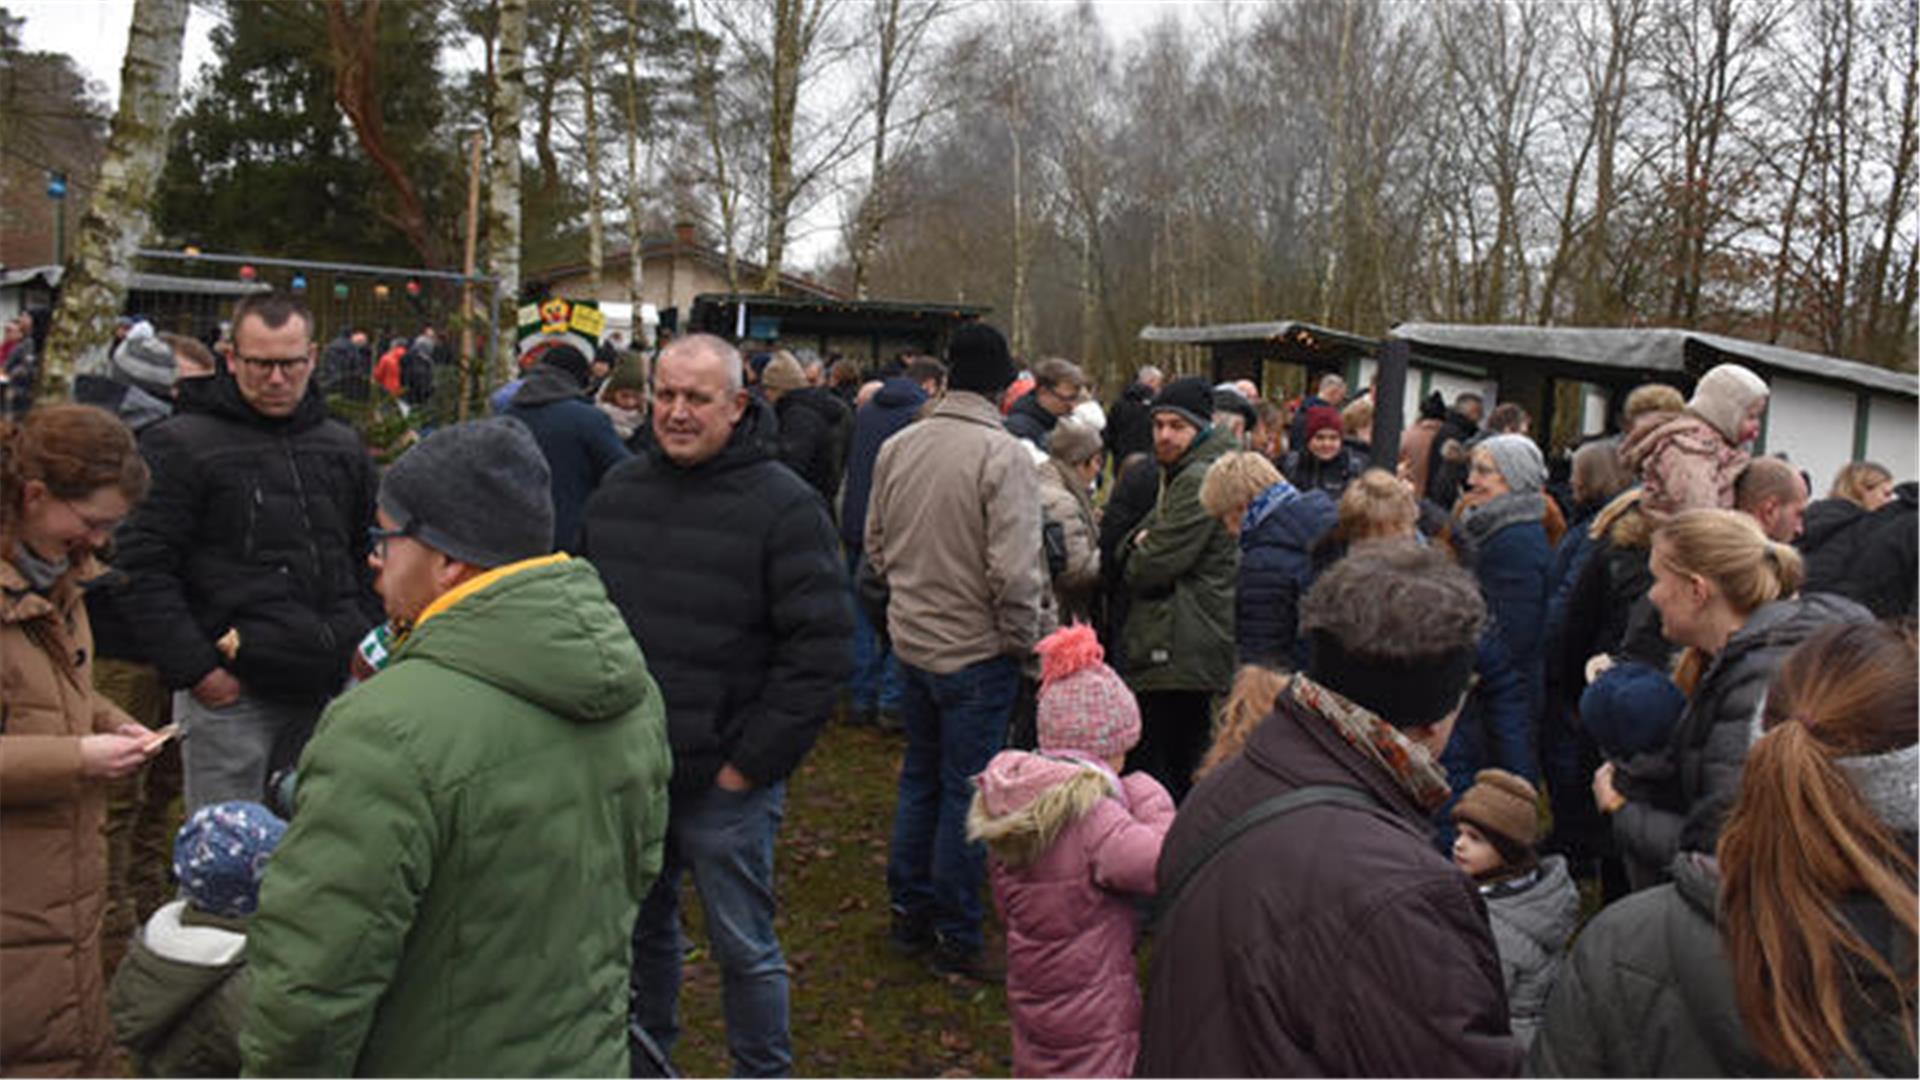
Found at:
<point>953,528</point>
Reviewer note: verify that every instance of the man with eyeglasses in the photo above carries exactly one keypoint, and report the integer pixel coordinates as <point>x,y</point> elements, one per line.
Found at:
<point>247,578</point>
<point>1058,386</point>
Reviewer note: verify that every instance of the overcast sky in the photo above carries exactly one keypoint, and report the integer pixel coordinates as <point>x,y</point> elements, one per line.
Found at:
<point>94,32</point>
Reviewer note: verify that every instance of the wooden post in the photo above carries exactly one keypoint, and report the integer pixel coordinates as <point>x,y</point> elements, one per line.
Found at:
<point>1389,403</point>
<point>466,286</point>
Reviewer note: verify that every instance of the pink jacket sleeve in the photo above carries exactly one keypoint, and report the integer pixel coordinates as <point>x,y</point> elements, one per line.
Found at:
<point>1126,853</point>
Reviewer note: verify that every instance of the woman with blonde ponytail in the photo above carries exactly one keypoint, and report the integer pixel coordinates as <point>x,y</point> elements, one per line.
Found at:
<point>1726,596</point>
<point>1793,951</point>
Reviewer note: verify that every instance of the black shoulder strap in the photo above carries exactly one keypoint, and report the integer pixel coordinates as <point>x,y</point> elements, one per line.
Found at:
<point>1258,814</point>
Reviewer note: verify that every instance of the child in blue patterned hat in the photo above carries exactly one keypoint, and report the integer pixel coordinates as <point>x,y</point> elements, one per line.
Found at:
<point>180,996</point>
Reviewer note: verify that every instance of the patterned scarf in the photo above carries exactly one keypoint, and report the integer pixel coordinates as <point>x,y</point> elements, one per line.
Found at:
<point>1265,503</point>
<point>1409,763</point>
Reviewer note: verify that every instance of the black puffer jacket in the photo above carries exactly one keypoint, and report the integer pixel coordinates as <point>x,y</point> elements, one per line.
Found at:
<point>815,428</point>
<point>729,575</point>
<point>1709,745</point>
<point>255,524</point>
<point>1867,557</point>
<point>1648,991</point>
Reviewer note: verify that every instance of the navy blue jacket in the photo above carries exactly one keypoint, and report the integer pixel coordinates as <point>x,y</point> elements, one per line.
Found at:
<point>1276,566</point>
<point>892,408</point>
<point>1513,566</point>
<point>577,439</point>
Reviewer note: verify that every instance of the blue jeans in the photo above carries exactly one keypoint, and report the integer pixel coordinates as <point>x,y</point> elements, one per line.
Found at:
<point>876,674</point>
<point>954,726</point>
<point>726,839</point>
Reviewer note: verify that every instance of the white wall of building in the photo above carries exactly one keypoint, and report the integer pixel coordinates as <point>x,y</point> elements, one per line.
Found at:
<point>1893,436</point>
<point>1813,425</point>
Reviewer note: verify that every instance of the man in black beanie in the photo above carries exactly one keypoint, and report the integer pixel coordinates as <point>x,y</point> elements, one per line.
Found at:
<point>1330,938</point>
<point>578,439</point>
<point>1180,566</point>
<point>953,528</point>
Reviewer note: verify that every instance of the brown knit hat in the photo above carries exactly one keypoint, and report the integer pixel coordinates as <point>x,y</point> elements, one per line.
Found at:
<point>1502,805</point>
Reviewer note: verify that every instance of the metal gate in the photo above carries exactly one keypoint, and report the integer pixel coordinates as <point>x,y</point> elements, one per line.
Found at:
<point>390,304</point>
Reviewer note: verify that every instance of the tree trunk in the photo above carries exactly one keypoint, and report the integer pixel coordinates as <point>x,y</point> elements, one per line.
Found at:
<point>544,101</point>
<point>790,34</point>
<point>873,209</point>
<point>590,134</point>
<point>503,197</point>
<point>706,80</point>
<point>353,47</point>
<point>636,260</point>
<point>1875,285</point>
<point>94,287</point>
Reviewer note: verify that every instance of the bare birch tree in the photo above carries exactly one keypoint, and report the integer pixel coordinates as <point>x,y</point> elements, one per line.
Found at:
<point>503,195</point>
<point>94,286</point>
<point>636,258</point>
<point>900,32</point>
<point>590,138</point>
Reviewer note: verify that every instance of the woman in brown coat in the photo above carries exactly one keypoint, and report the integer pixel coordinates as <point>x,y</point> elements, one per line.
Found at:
<point>68,475</point>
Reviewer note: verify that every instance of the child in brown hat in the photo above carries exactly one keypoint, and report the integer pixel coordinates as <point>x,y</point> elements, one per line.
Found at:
<point>1531,903</point>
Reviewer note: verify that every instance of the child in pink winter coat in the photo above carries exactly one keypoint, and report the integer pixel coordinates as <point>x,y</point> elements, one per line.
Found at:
<point>1071,843</point>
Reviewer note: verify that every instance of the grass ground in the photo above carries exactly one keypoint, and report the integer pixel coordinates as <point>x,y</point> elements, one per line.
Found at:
<point>858,1009</point>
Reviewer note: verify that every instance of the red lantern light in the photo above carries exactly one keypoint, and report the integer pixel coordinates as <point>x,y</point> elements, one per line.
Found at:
<point>247,272</point>
<point>413,287</point>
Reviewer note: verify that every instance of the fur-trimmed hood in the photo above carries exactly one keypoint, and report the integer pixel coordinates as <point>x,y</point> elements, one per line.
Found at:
<point>1024,801</point>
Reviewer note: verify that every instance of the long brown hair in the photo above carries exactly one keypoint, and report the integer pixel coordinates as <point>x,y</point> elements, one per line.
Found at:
<point>75,450</point>
<point>1254,688</point>
<point>1801,838</point>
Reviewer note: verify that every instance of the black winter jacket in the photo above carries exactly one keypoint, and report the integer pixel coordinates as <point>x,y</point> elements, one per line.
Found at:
<point>1330,941</point>
<point>1648,991</point>
<point>729,575</point>
<point>1129,425</point>
<point>1710,740</point>
<point>815,428</point>
<point>1447,475</point>
<point>1030,420</point>
<point>1309,473</point>
<point>255,524</point>
<point>1866,557</point>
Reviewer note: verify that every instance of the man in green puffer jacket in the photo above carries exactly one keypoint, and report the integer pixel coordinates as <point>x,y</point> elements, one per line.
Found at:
<point>475,826</point>
<point>1180,567</point>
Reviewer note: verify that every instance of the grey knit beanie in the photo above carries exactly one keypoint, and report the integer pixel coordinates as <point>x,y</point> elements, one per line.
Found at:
<point>479,492</point>
<point>146,362</point>
<point>1519,461</point>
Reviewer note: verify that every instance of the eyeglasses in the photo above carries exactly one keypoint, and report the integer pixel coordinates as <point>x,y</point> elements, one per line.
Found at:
<point>266,365</point>
<point>377,537</point>
<point>93,524</point>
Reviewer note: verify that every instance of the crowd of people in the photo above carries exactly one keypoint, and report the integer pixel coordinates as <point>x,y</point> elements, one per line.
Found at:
<point>1358,744</point>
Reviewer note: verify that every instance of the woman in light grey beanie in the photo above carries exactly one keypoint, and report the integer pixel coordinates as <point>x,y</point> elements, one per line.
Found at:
<point>1518,460</point>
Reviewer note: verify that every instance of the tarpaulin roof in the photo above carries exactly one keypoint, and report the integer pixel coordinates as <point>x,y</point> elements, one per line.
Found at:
<point>1647,350</point>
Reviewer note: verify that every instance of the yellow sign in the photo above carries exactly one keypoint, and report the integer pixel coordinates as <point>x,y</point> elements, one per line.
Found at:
<point>588,320</point>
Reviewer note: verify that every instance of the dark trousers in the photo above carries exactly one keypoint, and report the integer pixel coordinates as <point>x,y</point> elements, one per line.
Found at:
<point>1175,728</point>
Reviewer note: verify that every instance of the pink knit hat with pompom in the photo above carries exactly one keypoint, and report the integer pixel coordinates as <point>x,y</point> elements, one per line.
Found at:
<point>1084,705</point>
